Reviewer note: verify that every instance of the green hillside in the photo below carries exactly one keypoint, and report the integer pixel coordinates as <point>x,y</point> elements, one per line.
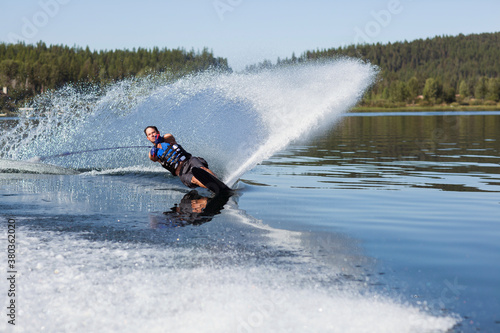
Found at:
<point>27,70</point>
<point>452,70</point>
<point>436,69</point>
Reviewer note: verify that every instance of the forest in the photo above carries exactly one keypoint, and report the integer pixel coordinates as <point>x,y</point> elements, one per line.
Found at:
<point>452,70</point>
<point>458,70</point>
<point>27,70</point>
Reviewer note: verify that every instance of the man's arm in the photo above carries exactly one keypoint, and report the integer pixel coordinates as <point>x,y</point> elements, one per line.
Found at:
<point>153,158</point>
<point>168,138</point>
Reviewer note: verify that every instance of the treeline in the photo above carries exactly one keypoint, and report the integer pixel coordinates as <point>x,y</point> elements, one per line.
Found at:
<point>27,70</point>
<point>449,69</point>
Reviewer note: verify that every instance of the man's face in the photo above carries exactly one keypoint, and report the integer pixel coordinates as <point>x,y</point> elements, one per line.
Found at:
<point>151,134</point>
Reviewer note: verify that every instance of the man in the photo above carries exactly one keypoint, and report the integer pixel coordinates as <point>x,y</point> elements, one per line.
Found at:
<point>193,171</point>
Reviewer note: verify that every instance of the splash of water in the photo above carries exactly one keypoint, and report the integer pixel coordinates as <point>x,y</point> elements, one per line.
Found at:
<point>233,120</point>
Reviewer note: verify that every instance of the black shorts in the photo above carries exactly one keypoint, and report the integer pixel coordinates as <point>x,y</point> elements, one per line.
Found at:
<point>186,173</point>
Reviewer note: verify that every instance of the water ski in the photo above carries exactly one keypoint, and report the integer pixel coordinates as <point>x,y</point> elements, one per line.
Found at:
<point>210,181</point>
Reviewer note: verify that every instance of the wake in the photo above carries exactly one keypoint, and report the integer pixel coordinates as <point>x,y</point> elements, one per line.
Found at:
<point>235,121</point>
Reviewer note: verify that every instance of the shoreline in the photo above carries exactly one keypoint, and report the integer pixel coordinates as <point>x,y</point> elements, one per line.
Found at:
<point>426,108</point>
<point>6,114</point>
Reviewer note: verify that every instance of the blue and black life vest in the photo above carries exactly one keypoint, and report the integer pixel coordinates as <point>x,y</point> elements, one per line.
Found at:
<point>171,155</point>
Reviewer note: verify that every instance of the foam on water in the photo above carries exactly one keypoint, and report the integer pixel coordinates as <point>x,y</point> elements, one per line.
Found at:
<point>235,121</point>
<point>70,283</point>
<point>138,169</point>
<point>10,166</point>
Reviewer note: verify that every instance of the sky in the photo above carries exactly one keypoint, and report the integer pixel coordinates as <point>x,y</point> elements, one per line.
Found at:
<point>243,31</point>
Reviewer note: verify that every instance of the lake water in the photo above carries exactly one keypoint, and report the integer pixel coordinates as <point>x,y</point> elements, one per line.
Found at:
<point>360,222</point>
<point>386,223</point>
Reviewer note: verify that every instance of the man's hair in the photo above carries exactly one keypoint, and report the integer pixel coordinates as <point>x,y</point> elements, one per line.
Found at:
<point>153,127</point>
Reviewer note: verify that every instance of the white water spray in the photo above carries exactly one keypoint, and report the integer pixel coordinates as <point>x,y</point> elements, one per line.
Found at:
<point>235,121</point>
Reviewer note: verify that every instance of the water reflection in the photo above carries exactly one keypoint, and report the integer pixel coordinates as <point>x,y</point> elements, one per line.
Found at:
<point>447,152</point>
<point>193,209</point>
<point>438,138</point>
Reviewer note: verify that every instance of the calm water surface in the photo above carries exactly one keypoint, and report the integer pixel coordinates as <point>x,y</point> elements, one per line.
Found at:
<point>348,231</point>
<point>421,193</point>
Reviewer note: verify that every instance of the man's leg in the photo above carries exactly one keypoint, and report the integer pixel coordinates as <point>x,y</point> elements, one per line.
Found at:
<point>209,180</point>
<point>188,178</point>
<point>195,181</point>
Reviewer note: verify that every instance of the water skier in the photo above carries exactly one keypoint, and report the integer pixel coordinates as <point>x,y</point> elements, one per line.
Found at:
<point>193,171</point>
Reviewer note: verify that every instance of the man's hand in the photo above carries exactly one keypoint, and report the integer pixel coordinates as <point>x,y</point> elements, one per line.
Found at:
<point>154,152</point>
<point>159,139</point>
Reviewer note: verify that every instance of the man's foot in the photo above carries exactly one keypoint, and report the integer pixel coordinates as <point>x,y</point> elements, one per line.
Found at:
<point>210,181</point>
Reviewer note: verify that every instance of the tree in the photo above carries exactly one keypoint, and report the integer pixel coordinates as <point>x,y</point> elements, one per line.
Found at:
<point>413,89</point>
<point>385,93</point>
<point>481,88</point>
<point>449,94</point>
<point>463,89</point>
<point>85,71</point>
<point>398,91</point>
<point>432,90</point>
<point>9,69</point>
<point>493,90</point>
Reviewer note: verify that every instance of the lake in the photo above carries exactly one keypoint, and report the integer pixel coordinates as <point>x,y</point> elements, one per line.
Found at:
<point>385,222</point>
